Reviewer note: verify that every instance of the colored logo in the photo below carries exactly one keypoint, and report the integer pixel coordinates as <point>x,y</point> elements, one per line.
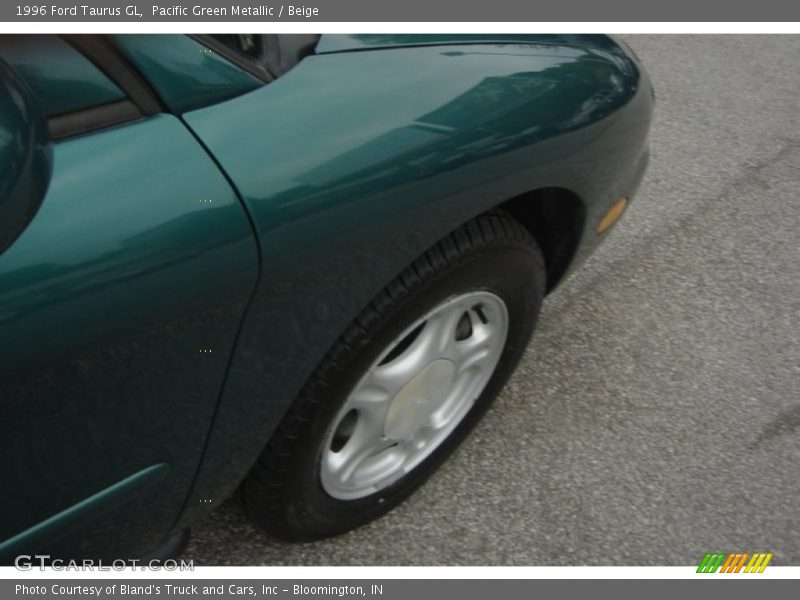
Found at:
<point>734,562</point>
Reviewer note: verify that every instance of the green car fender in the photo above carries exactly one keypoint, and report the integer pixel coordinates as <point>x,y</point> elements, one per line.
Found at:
<point>355,162</point>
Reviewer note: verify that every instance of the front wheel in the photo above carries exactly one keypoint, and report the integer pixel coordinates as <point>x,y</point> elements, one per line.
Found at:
<point>403,385</point>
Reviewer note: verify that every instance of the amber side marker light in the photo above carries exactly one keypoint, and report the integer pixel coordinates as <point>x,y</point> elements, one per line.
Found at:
<point>613,214</point>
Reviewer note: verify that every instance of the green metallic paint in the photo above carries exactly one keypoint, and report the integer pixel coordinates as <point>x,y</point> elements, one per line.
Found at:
<point>26,156</point>
<point>370,41</point>
<point>353,164</point>
<point>62,80</point>
<point>140,259</point>
<point>183,72</point>
<point>86,510</point>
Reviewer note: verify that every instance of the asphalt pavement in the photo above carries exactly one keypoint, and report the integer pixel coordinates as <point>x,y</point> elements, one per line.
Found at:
<point>656,414</point>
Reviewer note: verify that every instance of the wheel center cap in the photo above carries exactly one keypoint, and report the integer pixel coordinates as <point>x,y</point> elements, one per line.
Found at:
<point>420,397</point>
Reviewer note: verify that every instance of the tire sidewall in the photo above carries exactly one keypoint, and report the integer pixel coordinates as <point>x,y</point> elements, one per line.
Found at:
<point>515,273</point>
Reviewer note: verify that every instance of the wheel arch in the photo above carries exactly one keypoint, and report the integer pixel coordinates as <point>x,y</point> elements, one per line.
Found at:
<point>555,217</point>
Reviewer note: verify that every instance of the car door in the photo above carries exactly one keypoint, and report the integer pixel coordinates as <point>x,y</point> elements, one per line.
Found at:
<point>119,309</point>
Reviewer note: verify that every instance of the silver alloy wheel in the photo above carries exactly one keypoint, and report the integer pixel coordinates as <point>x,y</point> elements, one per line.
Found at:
<point>414,395</point>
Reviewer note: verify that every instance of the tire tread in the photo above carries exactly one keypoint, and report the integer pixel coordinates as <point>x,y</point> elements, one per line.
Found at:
<point>262,490</point>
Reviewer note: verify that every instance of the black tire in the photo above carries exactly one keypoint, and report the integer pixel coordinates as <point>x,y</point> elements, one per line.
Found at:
<point>283,493</point>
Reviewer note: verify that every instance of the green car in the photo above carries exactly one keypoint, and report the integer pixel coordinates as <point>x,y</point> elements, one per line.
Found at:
<point>295,268</point>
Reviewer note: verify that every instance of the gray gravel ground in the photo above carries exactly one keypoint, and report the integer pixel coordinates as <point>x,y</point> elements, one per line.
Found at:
<point>656,415</point>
